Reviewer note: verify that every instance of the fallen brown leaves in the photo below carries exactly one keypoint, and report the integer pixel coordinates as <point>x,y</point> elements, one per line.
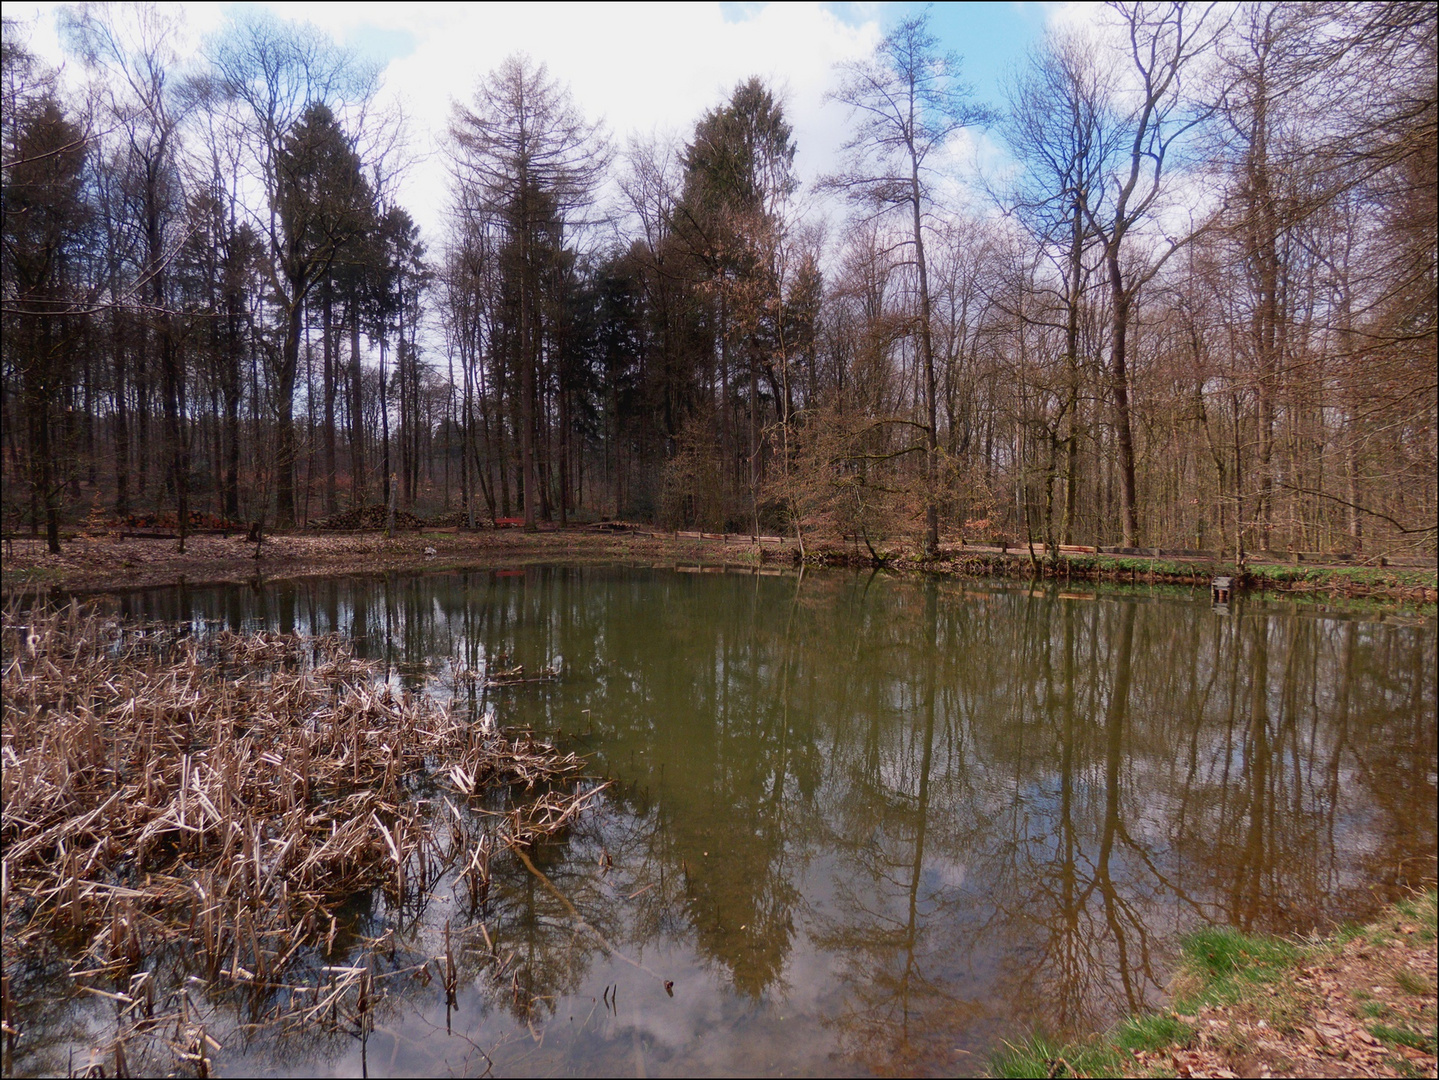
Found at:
<point>1347,1011</point>
<point>97,564</point>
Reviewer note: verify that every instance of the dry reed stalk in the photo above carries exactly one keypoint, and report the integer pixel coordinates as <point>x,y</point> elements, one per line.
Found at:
<point>215,797</point>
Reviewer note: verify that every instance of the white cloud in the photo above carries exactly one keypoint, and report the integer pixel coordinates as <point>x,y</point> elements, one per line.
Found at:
<point>642,69</point>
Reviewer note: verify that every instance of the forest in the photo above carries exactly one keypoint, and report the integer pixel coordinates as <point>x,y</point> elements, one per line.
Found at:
<point>1192,302</point>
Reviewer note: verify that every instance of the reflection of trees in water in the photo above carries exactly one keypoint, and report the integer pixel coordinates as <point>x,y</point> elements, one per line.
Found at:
<point>1072,881</point>
<point>1396,765</point>
<point>992,796</point>
<point>1031,808</point>
<point>1279,767</point>
<point>889,922</point>
<point>707,728</point>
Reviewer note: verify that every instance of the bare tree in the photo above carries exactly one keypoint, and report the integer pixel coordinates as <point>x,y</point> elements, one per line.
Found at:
<point>1163,43</point>
<point>1058,129</point>
<point>287,83</point>
<point>907,103</point>
<point>134,54</point>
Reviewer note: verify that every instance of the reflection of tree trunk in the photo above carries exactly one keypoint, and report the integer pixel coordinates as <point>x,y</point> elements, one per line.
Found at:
<point>929,662</point>
<point>1069,912</point>
<point>1113,759</point>
<point>1248,883</point>
<point>1341,726</point>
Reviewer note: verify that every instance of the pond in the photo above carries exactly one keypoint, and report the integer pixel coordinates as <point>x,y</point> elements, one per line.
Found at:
<point>863,824</point>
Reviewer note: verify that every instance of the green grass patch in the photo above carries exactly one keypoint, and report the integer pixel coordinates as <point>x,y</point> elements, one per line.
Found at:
<point>1347,933</point>
<point>1221,964</point>
<point>1403,1036</point>
<point>1039,1057</point>
<point>1424,910</point>
<point>1152,1032</point>
<point>1341,575</point>
<point>1133,564</point>
<point>34,575</point>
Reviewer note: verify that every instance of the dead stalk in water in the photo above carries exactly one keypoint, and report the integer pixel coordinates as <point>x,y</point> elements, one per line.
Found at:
<point>216,796</point>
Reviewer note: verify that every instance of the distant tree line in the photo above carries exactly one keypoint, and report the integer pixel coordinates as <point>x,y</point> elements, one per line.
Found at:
<point>1194,306</point>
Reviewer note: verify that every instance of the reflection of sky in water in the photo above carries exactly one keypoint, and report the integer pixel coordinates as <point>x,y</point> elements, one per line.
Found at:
<point>880,824</point>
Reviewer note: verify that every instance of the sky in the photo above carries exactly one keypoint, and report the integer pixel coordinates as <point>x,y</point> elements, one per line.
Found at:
<point>646,71</point>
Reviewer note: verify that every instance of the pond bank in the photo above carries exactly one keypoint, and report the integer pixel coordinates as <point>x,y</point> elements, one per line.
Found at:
<point>1358,1002</point>
<point>107,563</point>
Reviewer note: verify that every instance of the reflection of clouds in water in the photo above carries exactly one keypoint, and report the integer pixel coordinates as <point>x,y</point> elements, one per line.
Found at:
<point>945,875</point>
<point>704,1028</point>
<point>925,884</point>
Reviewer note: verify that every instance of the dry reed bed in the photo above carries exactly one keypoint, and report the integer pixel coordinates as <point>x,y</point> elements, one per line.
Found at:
<point>217,797</point>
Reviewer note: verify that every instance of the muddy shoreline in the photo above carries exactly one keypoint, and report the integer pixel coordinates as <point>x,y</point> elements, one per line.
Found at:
<point>107,564</point>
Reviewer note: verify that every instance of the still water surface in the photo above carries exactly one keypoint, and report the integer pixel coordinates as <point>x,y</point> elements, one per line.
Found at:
<point>874,825</point>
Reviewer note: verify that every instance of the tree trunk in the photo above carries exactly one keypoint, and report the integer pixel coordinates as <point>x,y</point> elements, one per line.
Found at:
<point>122,421</point>
<point>231,391</point>
<point>1071,364</point>
<point>285,436</point>
<point>926,341</point>
<point>387,478</point>
<point>357,410</point>
<point>529,481</point>
<point>1119,384</point>
<point>173,377</point>
<point>327,332</point>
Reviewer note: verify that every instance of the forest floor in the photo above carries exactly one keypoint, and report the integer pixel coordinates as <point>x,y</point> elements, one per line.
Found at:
<point>1359,1002</point>
<point>113,562</point>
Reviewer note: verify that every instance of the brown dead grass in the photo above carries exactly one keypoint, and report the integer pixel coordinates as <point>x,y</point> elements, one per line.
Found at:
<point>215,800</point>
